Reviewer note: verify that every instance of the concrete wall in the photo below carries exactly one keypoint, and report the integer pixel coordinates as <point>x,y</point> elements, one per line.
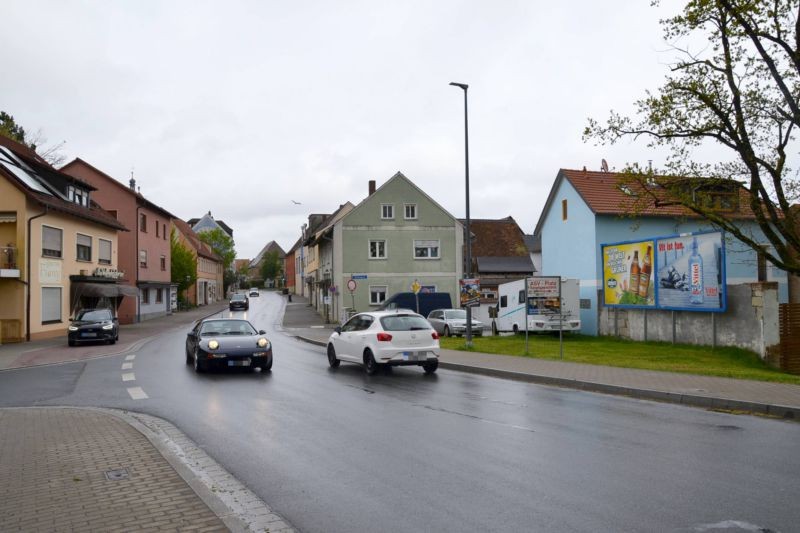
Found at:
<point>751,321</point>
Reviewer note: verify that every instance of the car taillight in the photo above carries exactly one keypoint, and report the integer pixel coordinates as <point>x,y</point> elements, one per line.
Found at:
<point>434,335</point>
<point>385,337</point>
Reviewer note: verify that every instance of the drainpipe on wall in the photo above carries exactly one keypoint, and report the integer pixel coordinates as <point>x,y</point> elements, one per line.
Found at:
<point>28,277</point>
<point>136,262</point>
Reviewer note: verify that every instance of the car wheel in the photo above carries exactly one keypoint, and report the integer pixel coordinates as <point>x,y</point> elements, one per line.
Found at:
<point>516,329</point>
<point>370,364</point>
<point>446,331</point>
<point>112,341</point>
<point>267,367</point>
<point>199,367</point>
<point>189,359</point>
<point>332,360</point>
<point>430,367</point>
<point>71,342</point>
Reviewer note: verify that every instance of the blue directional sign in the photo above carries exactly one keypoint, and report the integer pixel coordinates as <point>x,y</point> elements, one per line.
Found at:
<point>358,276</point>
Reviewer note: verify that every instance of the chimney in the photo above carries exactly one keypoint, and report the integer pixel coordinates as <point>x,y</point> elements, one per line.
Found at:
<point>371,187</point>
<point>132,184</point>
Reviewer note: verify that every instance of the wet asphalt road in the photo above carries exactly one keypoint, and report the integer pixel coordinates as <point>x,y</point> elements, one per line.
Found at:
<point>340,451</point>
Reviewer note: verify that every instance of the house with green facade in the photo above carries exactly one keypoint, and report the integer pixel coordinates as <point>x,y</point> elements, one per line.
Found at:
<point>394,237</point>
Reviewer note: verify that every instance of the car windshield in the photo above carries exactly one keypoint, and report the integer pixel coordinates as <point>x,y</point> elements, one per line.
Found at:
<point>404,323</point>
<point>458,314</point>
<point>237,298</point>
<point>94,314</point>
<point>227,327</point>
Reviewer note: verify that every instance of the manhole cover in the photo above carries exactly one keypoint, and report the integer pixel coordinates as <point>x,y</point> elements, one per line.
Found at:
<point>118,474</point>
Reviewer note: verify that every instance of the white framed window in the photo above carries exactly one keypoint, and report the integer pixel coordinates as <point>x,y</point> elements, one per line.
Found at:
<point>377,249</point>
<point>52,239</point>
<point>145,296</point>
<point>51,305</point>
<point>84,248</point>
<point>377,294</point>
<point>79,196</point>
<point>104,254</point>
<point>426,249</point>
<point>143,258</point>
<point>387,211</point>
<point>410,211</point>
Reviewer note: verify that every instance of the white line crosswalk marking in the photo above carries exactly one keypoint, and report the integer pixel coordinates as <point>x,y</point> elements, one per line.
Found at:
<point>137,393</point>
<point>130,357</point>
<point>127,366</point>
<point>129,376</point>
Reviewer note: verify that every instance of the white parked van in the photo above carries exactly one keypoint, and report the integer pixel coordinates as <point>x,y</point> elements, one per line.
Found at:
<point>543,313</point>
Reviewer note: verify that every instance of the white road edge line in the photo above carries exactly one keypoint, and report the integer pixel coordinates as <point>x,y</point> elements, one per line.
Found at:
<point>130,357</point>
<point>129,376</point>
<point>137,393</point>
<point>127,366</point>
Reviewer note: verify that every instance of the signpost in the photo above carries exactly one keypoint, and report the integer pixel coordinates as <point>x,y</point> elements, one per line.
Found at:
<point>351,286</point>
<point>544,288</point>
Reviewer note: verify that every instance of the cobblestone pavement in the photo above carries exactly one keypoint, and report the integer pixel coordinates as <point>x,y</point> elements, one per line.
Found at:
<point>66,469</point>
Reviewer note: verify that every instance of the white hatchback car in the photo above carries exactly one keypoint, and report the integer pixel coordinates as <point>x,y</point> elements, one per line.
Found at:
<point>392,338</point>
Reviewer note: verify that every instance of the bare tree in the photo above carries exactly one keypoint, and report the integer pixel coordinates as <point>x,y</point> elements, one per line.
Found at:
<point>741,91</point>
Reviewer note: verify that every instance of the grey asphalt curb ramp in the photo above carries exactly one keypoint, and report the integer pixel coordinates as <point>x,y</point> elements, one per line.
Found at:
<point>785,412</point>
<point>98,469</point>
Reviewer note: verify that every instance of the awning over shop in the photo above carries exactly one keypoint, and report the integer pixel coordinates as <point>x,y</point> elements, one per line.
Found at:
<point>99,290</point>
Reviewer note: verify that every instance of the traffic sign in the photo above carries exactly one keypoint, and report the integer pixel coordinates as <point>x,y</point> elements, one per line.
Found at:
<point>351,285</point>
<point>415,287</point>
<point>358,276</point>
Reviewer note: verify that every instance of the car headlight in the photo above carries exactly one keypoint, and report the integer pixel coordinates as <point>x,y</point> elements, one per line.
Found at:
<point>108,327</point>
<point>73,328</point>
<point>263,343</point>
<point>213,344</point>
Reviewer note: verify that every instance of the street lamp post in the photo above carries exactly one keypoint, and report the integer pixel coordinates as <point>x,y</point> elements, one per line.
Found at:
<point>468,273</point>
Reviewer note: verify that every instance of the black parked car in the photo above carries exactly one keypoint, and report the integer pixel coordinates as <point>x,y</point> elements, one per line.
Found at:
<point>239,301</point>
<point>227,343</point>
<point>93,325</point>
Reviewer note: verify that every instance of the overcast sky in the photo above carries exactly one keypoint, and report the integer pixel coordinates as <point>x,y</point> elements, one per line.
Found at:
<point>238,108</point>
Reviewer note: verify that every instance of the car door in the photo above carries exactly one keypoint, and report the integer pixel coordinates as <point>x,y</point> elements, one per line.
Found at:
<point>362,337</point>
<point>436,319</point>
<point>342,341</point>
<point>192,338</point>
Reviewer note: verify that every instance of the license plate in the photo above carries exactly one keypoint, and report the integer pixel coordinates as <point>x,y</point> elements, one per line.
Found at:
<point>413,356</point>
<point>88,334</point>
<point>242,362</point>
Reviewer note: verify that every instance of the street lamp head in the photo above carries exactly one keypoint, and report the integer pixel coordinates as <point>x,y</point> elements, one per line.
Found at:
<point>462,85</point>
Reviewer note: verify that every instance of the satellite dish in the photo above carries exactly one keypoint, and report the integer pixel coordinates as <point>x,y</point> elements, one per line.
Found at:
<point>604,165</point>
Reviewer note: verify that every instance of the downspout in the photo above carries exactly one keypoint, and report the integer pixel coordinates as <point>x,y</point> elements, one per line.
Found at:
<point>333,278</point>
<point>136,262</point>
<point>28,277</point>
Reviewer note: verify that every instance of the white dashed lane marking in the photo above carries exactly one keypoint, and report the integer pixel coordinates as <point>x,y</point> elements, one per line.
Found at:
<point>127,366</point>
<point>130,357</point>
<point>129,376</point>
<point>137,393</point>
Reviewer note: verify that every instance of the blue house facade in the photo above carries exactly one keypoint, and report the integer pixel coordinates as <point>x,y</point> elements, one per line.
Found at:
<point>586,209</point>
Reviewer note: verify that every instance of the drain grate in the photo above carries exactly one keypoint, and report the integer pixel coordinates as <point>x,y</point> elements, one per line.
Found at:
<point>118,474</point>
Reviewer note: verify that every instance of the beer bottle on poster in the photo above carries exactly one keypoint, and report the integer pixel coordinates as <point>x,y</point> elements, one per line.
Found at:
<point>644,274</point>
<point>695,275</point>
<point>633,281</point>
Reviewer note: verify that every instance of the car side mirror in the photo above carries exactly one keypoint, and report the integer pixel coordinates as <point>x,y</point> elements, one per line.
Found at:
<point>262,332</point>
<point>192,335</point>
<point>116,319</point>
<point>71,319</point>
<point>338,329</point>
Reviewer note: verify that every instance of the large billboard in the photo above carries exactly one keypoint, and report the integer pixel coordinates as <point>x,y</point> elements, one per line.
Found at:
<point>683,272</point>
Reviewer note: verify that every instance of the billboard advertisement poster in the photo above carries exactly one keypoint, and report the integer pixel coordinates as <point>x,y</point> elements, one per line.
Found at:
<point>628,274</point>
<point>691,272</point>
<point>470,292</point>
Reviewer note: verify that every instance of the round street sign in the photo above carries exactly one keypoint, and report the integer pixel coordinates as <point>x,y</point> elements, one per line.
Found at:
<point>351,285</point>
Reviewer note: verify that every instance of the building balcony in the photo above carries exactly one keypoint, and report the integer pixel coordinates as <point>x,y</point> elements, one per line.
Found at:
<point>8,262</point>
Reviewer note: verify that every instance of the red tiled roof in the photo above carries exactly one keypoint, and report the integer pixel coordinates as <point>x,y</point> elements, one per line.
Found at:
<point>602,193</point>
<point>200,247</point>
<point>497,238</point>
